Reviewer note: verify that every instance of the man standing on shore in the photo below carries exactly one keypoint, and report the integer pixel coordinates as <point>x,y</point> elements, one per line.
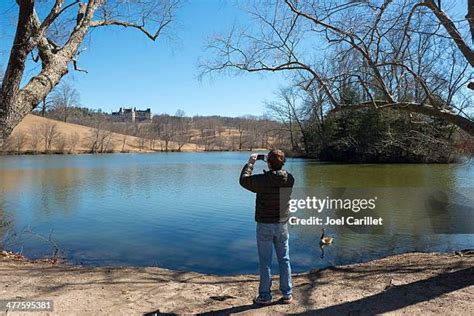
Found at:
<point>273,190</point>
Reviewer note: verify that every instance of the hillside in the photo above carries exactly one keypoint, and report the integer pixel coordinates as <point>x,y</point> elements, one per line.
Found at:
<point>36,134</point>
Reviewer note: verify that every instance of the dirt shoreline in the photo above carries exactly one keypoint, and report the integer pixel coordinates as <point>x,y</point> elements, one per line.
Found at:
<point>412,283</point>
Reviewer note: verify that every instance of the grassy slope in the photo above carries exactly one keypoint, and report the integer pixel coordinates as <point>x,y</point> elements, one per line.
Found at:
<point>32,124</point>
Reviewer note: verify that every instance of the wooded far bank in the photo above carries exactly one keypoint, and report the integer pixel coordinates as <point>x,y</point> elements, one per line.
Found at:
<point>362,136</point>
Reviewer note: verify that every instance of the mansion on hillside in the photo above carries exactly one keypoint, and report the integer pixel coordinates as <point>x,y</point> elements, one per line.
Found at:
<point>132,115</point>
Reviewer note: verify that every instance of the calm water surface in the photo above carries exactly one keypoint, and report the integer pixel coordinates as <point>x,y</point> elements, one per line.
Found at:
<point>187,211</point>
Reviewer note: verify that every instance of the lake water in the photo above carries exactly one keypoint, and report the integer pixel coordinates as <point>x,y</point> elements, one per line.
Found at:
<point>186,211</point>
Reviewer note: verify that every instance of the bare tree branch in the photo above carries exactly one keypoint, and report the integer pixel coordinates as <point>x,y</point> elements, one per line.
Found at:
<point>32,34</point>
<point>392,53</point>
<point>452,30</point>
<point>150,35</point>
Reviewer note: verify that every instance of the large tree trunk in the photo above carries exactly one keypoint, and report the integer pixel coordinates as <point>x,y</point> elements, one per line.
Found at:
<point>31,34</point>
<point>462,122</point>
<point>16,103</point>
<point>22,46</point>
<point>29,97</point>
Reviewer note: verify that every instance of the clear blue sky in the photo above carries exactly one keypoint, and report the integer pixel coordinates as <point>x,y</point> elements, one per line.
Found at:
<point>127,69</point>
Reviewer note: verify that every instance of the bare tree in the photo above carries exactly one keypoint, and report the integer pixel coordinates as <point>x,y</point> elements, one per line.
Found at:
<point>64,98</point>
<point>183,126</point>
<point>182,138</point>
<point>35,137</point>
<point>100,136</point>
<point>287,111</point>
<point>124,142</point>
<point>241,131</point>
<point>105,141</point>
<point>55,41</point>
<point>141,134</point>
<point>45,104</point>
<point>74,140</point>
<point>164,126</point>
<point>208,141</point>
<point>452,29</point>
<point>19,140</point>
<point>100,140</point>
<point>49,134</point>
<point>60,144</point>
<point>386,49</point>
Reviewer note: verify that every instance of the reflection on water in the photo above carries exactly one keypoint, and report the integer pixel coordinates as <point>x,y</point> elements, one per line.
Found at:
<point>187,211</point>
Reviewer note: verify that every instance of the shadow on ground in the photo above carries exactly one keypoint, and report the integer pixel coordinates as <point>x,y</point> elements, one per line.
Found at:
<point>393,298</point>
<point>227,311</point>
<point>397,297</point>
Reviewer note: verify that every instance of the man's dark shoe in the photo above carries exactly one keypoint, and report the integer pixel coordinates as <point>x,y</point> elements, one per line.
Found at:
<point>287,299</point>
<point>261,301</point>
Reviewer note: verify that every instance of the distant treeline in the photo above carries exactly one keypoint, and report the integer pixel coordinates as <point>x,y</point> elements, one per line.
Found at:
<point>297,122</point>
<point>209,132</point>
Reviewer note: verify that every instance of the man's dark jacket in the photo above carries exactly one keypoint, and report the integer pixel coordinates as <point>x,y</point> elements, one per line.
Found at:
<point>273,190</point>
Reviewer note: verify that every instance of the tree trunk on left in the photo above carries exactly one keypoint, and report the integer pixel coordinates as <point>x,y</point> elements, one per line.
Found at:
<point>22,46</point>
<point>17,102</point>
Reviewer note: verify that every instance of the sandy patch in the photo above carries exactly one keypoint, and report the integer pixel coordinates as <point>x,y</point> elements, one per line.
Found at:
<point>413,283</point>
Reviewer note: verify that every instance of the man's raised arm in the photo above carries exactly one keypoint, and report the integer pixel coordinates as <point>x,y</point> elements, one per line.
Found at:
<point>247,180</point>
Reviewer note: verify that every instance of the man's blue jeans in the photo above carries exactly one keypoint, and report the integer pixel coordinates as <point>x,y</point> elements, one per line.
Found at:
<point>269,236</point>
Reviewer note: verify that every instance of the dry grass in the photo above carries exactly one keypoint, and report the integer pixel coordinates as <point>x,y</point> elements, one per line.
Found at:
<point>68,134</point>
